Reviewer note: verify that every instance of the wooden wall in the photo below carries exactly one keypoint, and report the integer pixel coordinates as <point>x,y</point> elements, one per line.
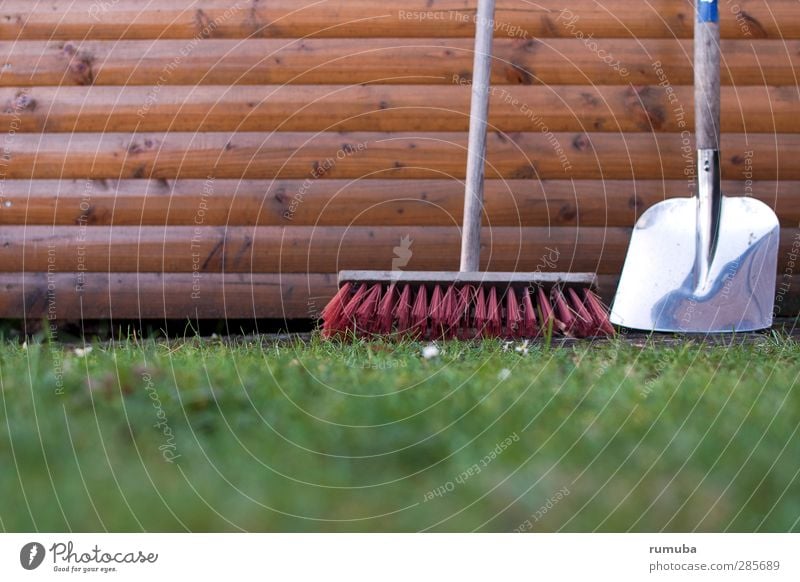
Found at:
<point>214,158</point>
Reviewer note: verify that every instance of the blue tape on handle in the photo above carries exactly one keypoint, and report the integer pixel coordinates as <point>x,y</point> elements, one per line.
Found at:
<point>707,11</point>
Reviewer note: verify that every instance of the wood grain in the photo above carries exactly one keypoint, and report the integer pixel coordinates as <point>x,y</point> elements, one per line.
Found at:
<point>132,19</point>
<point>297,249</point>
<point>196,159</point>
<point>76,296</point>
<point>386,108</point>
<point>307,156</point>
<point>181,249</point>
<point>383,61</point>
<point>354,203</point>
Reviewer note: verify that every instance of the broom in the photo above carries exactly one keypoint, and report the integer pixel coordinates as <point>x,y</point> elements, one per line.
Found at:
<point>469,303</point>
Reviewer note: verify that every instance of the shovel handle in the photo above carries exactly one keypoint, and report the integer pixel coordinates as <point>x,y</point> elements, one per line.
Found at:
<point>707,130</point>
<point>706,75</point>
<point>476,152</point>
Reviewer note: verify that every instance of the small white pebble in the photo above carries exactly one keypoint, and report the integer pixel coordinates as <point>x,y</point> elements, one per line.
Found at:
<point>504,374</point>
<point>81,352</point>
<point>430,351</point>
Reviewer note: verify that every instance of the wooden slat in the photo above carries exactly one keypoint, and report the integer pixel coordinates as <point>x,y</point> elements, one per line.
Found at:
<point>382,108</point>
<point>387,155</point>
<point>180,249</point>
<point>73,296</point>
<point>467,278</point>
<point>399,61</point>
<point>185,249</point>
<point>153,296</point>
<point>134,19</point>
<point>354,203</point>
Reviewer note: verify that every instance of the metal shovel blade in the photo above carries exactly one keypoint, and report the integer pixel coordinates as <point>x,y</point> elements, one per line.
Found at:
<point>665,287</point>
<point>703,264</point>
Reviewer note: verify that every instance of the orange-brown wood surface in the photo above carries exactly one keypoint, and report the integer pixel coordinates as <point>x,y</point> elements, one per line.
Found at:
<point>302,249</point>
<point>224,158</point>
<point>403,108</point>
<point>359,155</point>
<point>297,249</point>
<point>432,61</point>
<point>73,296</point>
<point>584,203</point>
<point>133,19</point>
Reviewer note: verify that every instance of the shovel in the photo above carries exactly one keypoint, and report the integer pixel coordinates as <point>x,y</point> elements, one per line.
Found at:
<point>707,263</point>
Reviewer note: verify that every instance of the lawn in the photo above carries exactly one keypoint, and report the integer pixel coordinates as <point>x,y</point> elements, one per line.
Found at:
<point>260,435</point>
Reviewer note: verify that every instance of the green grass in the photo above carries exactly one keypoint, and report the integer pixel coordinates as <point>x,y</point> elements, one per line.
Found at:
<point>331,437</point>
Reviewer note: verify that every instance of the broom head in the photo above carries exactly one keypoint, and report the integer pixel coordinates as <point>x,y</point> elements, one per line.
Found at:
<point>440,305</point>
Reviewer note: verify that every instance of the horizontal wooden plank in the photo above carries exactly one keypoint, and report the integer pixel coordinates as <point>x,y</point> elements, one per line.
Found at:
<point>382,61</point>
<point>354,203</point>
<point>199,250</point>
<point>388,155</point>
<point>132,19</point>
<point>76,296</point>
<point>61,297</point>
<point>186,249</point>
<point>386,108</point>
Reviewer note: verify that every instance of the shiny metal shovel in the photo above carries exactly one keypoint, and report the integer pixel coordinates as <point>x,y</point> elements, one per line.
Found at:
<point>707,263</point>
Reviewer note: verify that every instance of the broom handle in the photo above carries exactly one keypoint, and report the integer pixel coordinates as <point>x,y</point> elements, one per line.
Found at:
<point>476,153</point>
<point>707,133</point>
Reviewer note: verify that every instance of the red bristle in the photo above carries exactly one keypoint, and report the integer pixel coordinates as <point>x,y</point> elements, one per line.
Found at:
<point>599,312</point>
<point>451,316</point>
<point>402,312</point>
<point>513,315</point>
<point>547,317</point>
<point>419,313</point>
<point>464,323</point>
<point>528,327</point>
<point>351,306</point>
<point>332,321</point>
<point>494,327</point>
<point>584,326</point>
<point>365,314</point>
<point>464,312</point>
<point>564,314</point>
<point>436,309</point>
<point>481,312</point>
<point>385,315</point>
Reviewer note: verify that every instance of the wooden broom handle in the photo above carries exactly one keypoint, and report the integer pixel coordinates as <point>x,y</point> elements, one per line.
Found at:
<point>706,75</point>
<point>476,154</point>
